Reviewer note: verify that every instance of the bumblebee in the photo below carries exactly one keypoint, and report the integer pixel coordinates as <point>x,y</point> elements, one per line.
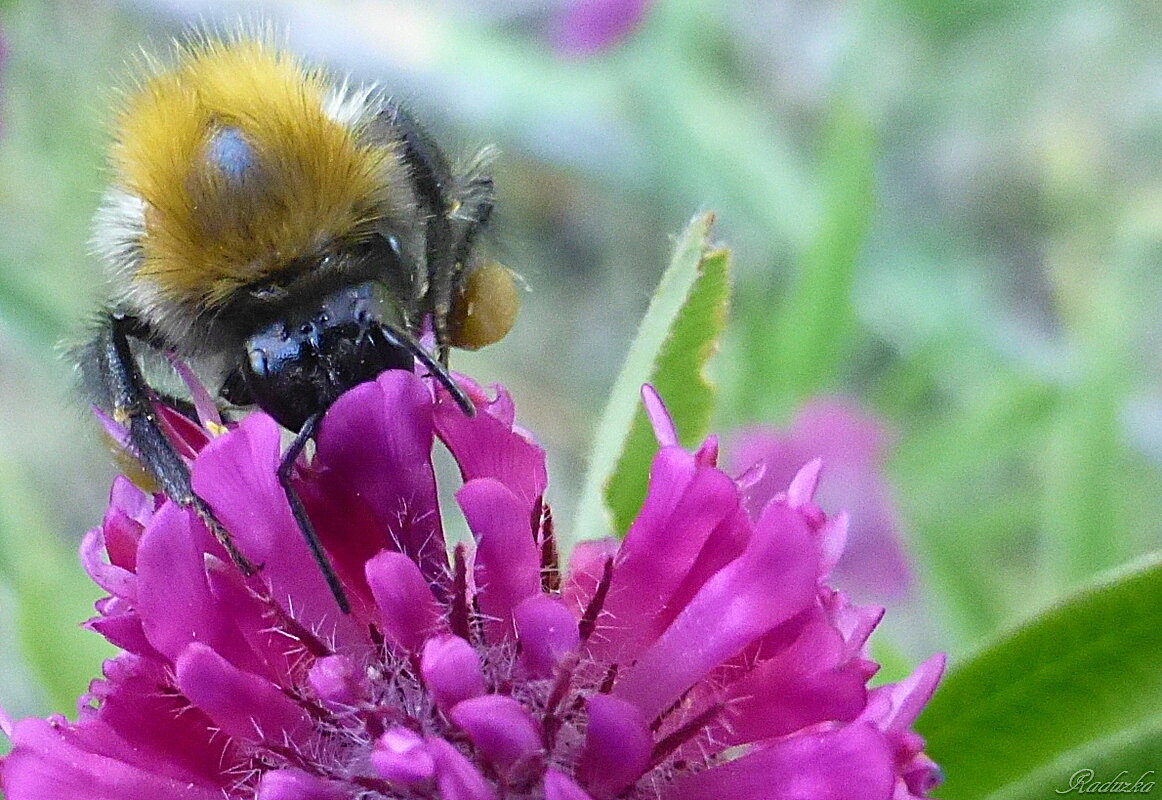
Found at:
<point>292,235</point>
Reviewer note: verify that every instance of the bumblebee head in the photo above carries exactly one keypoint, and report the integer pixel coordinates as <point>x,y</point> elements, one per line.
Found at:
<point>301,362</point>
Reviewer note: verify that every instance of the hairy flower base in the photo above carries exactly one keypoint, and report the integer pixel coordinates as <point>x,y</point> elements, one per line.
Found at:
<point>702,657</point>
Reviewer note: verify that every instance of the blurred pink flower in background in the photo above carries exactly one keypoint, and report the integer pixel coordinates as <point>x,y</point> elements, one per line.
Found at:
<point>586,27</point>
<point>852,445</point>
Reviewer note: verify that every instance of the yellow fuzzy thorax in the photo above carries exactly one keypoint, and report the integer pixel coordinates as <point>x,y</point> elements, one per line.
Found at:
<point>307,180</point>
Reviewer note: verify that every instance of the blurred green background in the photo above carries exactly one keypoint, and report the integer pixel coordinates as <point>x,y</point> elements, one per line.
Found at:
<point>951,212</point>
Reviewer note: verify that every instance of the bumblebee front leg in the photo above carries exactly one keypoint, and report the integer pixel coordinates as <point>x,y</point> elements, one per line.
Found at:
<point>299,511</point>
<point>131,403</point>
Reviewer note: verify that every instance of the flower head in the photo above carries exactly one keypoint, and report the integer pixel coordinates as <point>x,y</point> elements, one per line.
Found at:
<point>703,656</point>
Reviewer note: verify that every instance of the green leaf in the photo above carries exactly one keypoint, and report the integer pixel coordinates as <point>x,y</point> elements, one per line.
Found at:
<point>678,377</point>
<point>1077,688</point>
<point>53,595</point>
<point>677,336</point>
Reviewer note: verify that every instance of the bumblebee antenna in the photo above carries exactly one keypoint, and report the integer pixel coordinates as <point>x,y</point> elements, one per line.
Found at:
<point>402,339</point>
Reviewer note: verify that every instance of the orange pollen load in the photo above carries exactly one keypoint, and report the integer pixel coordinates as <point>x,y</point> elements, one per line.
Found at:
<point>487,307</point>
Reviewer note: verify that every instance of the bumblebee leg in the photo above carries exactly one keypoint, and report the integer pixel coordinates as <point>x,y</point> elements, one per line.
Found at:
<point>132,406</point>
<point>310,427</point>
<point>452,235</point>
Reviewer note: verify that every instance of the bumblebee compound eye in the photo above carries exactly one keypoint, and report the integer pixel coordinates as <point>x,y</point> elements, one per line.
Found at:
<point>486,307</point>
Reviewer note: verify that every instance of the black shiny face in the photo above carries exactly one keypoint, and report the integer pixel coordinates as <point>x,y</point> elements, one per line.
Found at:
<point>298,366</point>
